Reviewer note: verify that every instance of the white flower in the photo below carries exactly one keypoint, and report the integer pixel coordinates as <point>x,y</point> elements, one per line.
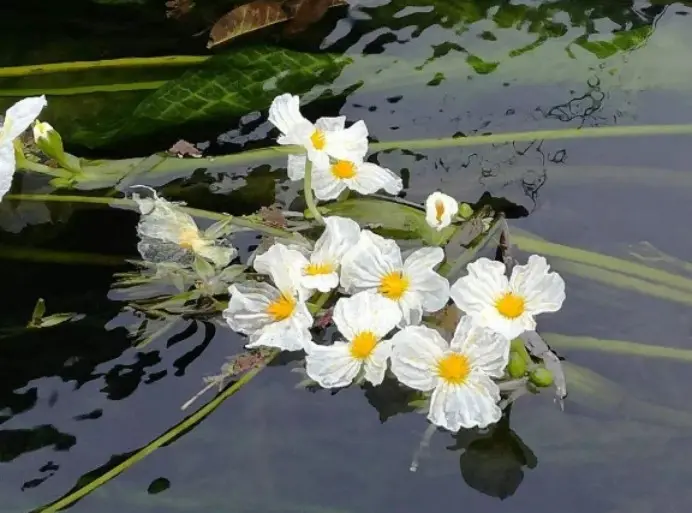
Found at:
<point>508,305</point>
<point>376,263</point>
<point>272,316</point>
<point>169,234</point>
<point>459,373</point>
<point>328,137</point>
<point>17,119</point>
<point>321,272</point>
<point>439,210</point>
<point>331,179</point>
<point>363,320</point>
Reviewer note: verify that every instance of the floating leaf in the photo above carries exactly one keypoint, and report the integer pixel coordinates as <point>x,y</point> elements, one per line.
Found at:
<point>265,13</point>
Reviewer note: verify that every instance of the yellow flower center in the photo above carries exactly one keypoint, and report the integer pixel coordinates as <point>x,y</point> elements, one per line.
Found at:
<point>282,308</point>
<point>439,210</point>
<point>363,345</point>
<point>318,140</point>
<point>393,285</point>
<point>454,368</point>
<point>189,239</point>
<point>343,169</point>
<point>314,269</point>
<point>510,305</point>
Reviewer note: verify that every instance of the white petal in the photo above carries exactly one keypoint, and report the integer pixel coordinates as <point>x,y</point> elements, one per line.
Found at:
<point>325,184</point>
<point>331,366</point>
<point>20,116</point>
<point>284,113</point>
<point>331,124</point>
<point>319,158</point>
<point>432,288</point>
<point>440,209</point>
<point>415,354</point>
<point>287,335</point>
<point>542,290</point>
<point>340,235</point>
<point>486,350</point>
<point>321,282</point>
<point>366,311</point>
<point>456,406</point>
<point>368,261</point>
<point>285,266</point>
<point>375,367</point>
<point>247,307</point>
<point>7,167</point>
<point>477,292</point>
<point>348,144</point>
<point>296,167</point>
<point>370,178</point>
<point>162,220</point>
<point>411,306</point>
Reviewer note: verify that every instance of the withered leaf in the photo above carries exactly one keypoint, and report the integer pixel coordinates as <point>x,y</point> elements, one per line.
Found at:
<point>272,216</point>
<point>177,8</point>
<point>184,149</point>
<point>264,13</point>
<point>306,12</point>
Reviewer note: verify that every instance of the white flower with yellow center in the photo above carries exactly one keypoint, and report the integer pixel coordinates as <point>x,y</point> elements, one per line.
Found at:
<point>363,320</point>
<point>440,209</point>
<point>17,119</point>
<point>375,263</point>
<point>169,234</point>
<point>327,137</point>
<point>331,179</point>
<point>321,271</point>
<point>508,306</point>
<point>272,315</point>
<point>459,373</point>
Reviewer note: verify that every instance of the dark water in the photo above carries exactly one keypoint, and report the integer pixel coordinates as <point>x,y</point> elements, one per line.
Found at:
<point>79,397</point>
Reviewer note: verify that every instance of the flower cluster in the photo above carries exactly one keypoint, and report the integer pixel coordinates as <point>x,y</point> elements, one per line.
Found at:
<point>384,296</point>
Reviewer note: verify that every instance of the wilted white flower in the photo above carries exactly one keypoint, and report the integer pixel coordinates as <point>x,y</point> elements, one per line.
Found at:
<point>321,271</point>
<point>272,315</point>
<point>459,373</point>
<point>331,179</point>
<point>17,119</point>
<point>440,209</point>
<point>169,234</point>
<point>363,320</point>
<point>327,137</point>
<point>376,263</point>
<point>508,306</point>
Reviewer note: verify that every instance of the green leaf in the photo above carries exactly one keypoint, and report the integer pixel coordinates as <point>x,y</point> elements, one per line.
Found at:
<point>389,218</point>
<point>233,84</point>
<point>38,313</point>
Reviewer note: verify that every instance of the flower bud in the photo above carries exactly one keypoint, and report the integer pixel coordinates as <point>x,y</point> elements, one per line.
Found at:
<point>541,377</point>
<point>465,210</point>
<point>48,140</point>
<point>517,365</point>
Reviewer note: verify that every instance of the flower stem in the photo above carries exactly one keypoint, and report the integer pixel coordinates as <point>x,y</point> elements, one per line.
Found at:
<point>27,165</point>
<point>243,222</point>
<point>309,198</point>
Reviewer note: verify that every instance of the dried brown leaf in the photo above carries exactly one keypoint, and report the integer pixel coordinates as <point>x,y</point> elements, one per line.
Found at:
<point>264,13</point>
<point>246,18</point>
<point>273,216</point>
<point>306,12</point>
<point>184,149</point>
<point>178,8</point>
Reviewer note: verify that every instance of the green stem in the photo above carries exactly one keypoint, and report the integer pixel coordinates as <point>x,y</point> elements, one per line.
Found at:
<point>27,165</point>
<point>162,440</point>
<point>70,91</point>
<point>309,198</point>
<point>130,62</point>
<point>122,202</point>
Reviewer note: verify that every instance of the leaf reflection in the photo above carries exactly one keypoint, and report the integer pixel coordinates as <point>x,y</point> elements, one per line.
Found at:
<point>494,463</point>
